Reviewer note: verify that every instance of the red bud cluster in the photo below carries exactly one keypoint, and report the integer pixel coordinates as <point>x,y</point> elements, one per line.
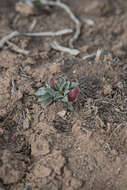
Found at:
<point>72,95</point>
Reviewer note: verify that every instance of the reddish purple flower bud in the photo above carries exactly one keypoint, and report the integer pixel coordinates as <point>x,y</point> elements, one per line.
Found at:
<point>52,83</point>
<point>73,94</point>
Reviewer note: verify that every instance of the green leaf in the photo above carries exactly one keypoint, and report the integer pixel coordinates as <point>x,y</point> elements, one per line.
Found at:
<point>37,4</point>
<point>62,84</point>
<point>66,92</point>
<point>74,84</point>
<point>58,96</point>
<point>41,91</point>
<point>67,85</point>
<point>57,85</point>
<point>50,91</point>
<point>69,106</point>
<point>44,98</point>
<point>49,95</point>
<point>48,101</point>
<point>65,99</point>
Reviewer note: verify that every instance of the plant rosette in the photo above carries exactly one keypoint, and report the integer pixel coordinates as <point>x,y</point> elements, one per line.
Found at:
<point>62,90</point>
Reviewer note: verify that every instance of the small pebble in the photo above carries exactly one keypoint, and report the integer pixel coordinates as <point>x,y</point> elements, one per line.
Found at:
<point>90,22</point>
<point>62,113</point>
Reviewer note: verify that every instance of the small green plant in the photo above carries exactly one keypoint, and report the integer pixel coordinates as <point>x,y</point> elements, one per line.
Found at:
<point>37,4</point>
<point>63,90</point>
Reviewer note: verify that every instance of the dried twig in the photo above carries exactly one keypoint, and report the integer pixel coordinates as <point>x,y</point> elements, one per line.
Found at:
<point>16,33</point>
<point>97,55</point>
<point>70,13</point>
<point>57,33</point>
<point>13,88</point>
<point>55,45</point>
<point>32,26</point>
<point>17,49</point>
<point>8,37</point>
<point>91,56</point>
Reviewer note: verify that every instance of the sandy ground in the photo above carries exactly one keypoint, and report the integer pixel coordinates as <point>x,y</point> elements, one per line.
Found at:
<point>87,148</point>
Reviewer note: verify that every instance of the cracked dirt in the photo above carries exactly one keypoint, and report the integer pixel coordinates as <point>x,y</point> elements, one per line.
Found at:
<point>85,149</point>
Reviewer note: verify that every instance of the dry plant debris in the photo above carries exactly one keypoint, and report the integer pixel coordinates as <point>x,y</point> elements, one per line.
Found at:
<point>58,3</point>
<point>8,37</point>
<point>48,34</point>
<point>58,149</point>
<point>55,45</point>
<point>36,34</point>
<point>15,48</point>
<point>28,8</point>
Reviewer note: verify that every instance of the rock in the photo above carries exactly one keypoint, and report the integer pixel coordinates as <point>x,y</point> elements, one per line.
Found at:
<point>89,22</point>
<point>62,113</point>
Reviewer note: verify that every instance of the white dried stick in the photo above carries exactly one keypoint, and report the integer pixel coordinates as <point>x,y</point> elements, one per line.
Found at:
<point>38,34</point>
<point>55,45</point>
<point>70,13</point>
